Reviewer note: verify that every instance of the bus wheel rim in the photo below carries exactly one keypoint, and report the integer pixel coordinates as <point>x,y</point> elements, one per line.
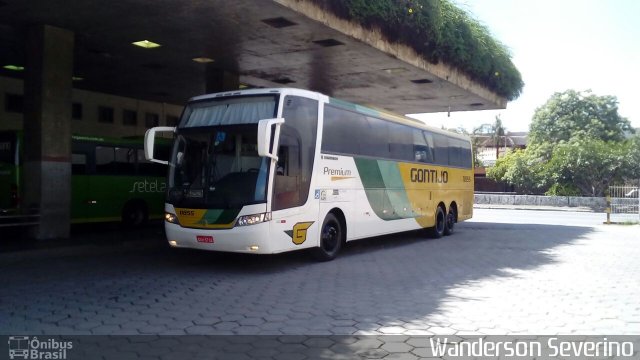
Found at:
<point>329,237</point>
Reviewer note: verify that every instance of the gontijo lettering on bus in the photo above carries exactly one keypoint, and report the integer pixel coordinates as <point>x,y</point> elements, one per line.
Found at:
<point>429,176</point>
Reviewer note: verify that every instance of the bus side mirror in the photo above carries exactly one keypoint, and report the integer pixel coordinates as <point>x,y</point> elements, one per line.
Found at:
<point>149,141</point>
<point>264,137</point>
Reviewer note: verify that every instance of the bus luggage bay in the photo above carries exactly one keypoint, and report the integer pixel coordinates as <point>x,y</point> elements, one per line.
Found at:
<point>273,170</point>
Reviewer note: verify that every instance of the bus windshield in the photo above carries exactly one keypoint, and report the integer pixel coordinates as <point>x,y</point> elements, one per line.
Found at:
<point>8,171</point>
<point>217,167</point>
<point>8,148</point>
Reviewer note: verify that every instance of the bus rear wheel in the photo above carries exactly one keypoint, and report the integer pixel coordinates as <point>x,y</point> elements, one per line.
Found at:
<point>331,235</point>
<point>437,231</point>
<point>450,222</point>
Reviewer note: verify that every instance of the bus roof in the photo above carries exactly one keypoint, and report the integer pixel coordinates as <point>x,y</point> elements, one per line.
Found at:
<point>367,110</point>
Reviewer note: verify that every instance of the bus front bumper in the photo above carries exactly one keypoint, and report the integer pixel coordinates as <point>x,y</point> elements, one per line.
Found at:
<point>243,239</point>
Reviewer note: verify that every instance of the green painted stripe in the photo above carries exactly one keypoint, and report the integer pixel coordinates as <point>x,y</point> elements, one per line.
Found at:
<point>396,193</point>
<point>375,188</point>
<point>218,216</point>
<point>369,173</point>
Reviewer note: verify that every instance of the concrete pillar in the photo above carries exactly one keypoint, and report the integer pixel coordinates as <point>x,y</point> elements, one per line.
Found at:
<point>218,80</point>
<point>47,128</point>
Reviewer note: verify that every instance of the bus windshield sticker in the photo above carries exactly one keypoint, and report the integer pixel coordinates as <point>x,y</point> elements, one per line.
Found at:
<point>220,136</point>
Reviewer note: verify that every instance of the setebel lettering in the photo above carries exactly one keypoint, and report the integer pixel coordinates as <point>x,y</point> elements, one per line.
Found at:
<point>146,186</point>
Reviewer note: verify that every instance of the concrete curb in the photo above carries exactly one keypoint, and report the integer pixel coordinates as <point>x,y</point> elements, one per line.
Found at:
<point>535,207</point>
<point>596,204</point>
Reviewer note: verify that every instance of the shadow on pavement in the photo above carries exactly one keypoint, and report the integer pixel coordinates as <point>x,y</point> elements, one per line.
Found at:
<point>17,239</point>
<point>373,283</point>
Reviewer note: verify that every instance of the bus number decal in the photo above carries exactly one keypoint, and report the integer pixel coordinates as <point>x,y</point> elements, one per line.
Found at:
<point>299,233</point>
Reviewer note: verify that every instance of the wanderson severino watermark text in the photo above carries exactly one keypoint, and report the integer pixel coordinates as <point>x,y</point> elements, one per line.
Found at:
<point>550,347</point>
<point>362,347</point>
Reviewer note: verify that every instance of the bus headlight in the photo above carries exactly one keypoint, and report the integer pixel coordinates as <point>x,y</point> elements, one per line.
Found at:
<point>171,218</point>
<point>253,219</point>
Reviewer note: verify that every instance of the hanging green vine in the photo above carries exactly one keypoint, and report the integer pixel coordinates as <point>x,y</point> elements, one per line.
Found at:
<point>441,32</point>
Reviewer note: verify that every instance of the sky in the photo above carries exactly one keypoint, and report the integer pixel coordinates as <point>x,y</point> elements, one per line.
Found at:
<point>559,45</point>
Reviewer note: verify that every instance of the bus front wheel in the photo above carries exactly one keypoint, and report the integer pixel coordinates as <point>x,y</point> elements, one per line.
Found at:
<point>331,235</point>
<point>134,214</point>
<point>437,231</point>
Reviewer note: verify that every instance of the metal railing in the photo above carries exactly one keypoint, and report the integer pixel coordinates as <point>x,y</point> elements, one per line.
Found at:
<point>624,204</point>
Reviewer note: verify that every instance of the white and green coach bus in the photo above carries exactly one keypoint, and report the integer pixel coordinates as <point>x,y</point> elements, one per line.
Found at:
<point>274,170</point>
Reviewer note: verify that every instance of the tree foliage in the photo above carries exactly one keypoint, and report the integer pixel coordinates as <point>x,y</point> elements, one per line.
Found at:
<point>591,165</point>
<point>521,169</point>
<point>572,114</point>
<point>577,145</point>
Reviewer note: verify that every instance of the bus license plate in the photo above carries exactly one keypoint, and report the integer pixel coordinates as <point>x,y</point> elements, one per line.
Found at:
<point>205,239</point>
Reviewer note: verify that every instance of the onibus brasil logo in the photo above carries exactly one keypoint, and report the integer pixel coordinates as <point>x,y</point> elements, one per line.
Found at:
<point>25,347</point>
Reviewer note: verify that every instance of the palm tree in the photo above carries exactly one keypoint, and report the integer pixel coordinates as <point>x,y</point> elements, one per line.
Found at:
<point>488,135</point>
<point>498,130</point>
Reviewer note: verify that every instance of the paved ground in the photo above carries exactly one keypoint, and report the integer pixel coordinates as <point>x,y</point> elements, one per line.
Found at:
<point>505,272</point>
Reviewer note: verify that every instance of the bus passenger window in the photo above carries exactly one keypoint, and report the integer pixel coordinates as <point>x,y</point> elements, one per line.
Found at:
<point>105,160</point>
<point>282,160</point>
<point>78,164</point>
<point>7,149</point>
<point>148,168</point>
<point>421,154</point>
<point>423,146</point>
<point>125,161</point>
<point>287,182</point>
<point>297,144</point>
<point>441,145</point>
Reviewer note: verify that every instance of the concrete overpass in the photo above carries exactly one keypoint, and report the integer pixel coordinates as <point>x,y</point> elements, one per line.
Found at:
<point>205,46</point>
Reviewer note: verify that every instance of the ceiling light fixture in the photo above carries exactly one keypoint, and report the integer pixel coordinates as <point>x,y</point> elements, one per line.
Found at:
<point>278,22</point>
<point>328,42</point>
<point>203,60</point>
<point>397,70</point>
<point>13,67</point>
<point>146,44</point>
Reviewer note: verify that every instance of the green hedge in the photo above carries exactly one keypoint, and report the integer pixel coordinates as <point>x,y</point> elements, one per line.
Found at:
<point>439,31</point>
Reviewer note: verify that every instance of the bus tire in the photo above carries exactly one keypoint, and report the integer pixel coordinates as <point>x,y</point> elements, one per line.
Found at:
<point>134,214</point>
<point>450,222</point>
<point>331,235</point>
<point>437,231</point>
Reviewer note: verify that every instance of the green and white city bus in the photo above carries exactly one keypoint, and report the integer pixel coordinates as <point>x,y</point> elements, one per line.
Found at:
<point>274,170</point>
<point>111,181</point>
